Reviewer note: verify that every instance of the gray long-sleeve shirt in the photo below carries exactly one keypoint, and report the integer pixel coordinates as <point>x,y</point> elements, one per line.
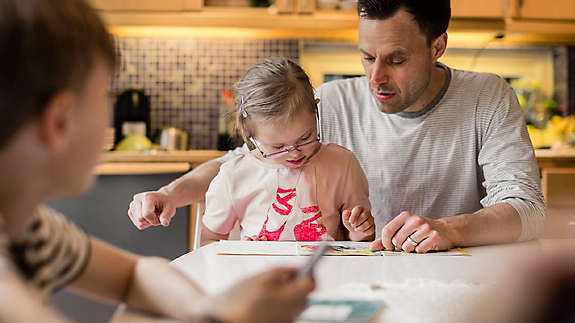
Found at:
<point>467,149</point>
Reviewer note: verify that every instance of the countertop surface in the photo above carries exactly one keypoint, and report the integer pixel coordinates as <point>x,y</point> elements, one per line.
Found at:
<point>555,153</point>
<point>158,161</point>
<point>153,161</point>
<point>199,156</point>
<point>188,156</point>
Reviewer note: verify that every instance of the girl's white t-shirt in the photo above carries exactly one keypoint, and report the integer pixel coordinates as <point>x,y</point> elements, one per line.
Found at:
<point>282,203</point>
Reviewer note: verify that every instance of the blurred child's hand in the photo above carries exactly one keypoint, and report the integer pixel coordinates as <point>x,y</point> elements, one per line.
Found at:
<point>271,296</point>
<point>360,223</point>
<point>255,238</point>
<point>152,208</point>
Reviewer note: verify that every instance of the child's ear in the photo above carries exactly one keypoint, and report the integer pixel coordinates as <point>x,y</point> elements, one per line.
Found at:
<point>55,123</point>
<point>316,101</point>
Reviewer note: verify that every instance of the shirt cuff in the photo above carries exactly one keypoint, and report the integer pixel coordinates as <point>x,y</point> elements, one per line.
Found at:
<point>532,218</point>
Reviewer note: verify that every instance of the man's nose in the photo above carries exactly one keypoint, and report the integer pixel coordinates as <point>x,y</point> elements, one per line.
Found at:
<point>379,73</point>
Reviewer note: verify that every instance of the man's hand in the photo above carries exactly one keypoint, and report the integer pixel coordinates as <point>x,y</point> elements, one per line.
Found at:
<point>359,222</point>
<point>151,209</point>
<point>410,232</point>
<point>273,296</point>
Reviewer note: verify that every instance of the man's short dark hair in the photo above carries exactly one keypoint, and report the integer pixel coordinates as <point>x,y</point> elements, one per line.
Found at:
<point>432,16</point>
<point>45,47</point>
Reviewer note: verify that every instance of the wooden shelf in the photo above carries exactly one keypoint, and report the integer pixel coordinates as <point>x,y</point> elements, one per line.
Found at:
<point>141,168</point>
<point>235,18</point>
<point>541,27</point>
<point>262,18</point>
<point>194,157</point>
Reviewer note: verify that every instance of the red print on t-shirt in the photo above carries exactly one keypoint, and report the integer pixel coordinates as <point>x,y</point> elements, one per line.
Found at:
<point>307,230</point>
<point>284,209</point>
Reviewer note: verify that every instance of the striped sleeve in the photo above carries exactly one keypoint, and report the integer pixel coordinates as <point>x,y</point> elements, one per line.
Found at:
<point>52,253</point>
<point>508,160</point>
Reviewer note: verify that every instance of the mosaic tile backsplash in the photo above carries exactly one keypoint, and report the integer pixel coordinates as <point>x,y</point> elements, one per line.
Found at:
<point>185,77</point>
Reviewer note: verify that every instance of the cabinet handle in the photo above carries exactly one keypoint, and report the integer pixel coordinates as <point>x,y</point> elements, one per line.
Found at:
<point>520,6</point>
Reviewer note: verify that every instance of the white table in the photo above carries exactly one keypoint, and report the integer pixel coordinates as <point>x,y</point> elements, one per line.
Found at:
<point>415,288</point>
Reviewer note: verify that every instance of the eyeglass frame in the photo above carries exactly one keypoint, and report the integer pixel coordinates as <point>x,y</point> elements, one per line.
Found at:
<point>290,148</point>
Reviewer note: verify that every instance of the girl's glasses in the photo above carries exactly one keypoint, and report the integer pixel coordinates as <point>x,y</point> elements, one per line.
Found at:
<point>286,150</point>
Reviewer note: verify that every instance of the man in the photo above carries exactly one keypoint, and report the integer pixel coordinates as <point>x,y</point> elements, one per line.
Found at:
<point>56,63</point>
<point>446,152</point>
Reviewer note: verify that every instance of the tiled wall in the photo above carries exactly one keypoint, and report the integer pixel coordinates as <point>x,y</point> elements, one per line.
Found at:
<point>185,77</point>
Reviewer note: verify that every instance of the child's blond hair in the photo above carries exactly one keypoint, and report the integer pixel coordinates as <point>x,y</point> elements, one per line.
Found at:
<point>276,88</point>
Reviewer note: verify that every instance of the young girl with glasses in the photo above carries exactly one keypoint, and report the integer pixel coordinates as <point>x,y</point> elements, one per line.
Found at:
<point>290,186</point>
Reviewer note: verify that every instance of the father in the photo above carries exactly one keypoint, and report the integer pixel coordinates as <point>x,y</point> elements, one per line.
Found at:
<point>446,152</point>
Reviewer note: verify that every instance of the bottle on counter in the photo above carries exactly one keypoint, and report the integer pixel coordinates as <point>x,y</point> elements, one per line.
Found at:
<point>226,122</point>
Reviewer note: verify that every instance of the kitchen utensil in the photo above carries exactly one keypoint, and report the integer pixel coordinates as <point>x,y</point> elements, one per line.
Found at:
<point>173,139</point>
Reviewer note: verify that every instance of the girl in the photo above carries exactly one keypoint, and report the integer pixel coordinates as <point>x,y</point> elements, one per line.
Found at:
<point>290,186</point>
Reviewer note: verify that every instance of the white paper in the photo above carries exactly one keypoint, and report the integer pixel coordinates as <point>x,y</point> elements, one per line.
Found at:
<point>240,247</point>
<point>305,248</point>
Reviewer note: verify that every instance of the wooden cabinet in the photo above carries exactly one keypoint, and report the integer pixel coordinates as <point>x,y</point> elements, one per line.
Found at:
<point>542,17</point>
<point>535,21</point>
<point>147,5</point>
<point>558,187</point>
<point>492,9</point>
<point>543,9</point>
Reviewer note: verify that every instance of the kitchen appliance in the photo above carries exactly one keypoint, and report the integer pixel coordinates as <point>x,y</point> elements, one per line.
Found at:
<point>173,139</point>
<point>134,143</point>
<point>131,114</point>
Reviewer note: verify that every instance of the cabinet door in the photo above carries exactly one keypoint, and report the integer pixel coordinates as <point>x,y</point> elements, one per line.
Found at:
<point>478,9</point>
<point>544,9</point>
<point>147,5</point>
<point>107,4</point>
<point>154,5</point>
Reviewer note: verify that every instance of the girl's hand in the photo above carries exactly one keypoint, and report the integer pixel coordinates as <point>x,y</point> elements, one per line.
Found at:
<point>255,238</point>
<point>360,223</point>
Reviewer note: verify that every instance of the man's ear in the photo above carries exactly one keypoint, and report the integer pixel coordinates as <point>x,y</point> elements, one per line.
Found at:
<point>438,46</point>
<point>55,123</point>
<point>316,101</point>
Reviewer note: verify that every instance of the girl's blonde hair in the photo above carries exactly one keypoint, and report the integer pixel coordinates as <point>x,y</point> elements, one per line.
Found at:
<point>276,88</point>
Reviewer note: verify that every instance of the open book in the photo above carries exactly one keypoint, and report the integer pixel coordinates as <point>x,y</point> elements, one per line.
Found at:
<point>304,248</point>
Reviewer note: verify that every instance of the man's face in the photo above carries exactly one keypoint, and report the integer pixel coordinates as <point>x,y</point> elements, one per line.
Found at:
<point>397,61</point>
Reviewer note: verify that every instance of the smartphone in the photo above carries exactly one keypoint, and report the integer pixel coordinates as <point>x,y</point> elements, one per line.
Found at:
<point>307,269</point>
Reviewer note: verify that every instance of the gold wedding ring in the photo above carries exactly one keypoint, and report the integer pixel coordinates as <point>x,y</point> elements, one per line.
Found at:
<point>413,243</point>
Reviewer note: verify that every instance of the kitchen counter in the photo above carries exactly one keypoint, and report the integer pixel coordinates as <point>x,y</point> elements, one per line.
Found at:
<point>194,157</point>
<point>547,158</point>
<point>160,162</point>
<point>200,156</point>
<point>558,178</point>
<point>153,161</point>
